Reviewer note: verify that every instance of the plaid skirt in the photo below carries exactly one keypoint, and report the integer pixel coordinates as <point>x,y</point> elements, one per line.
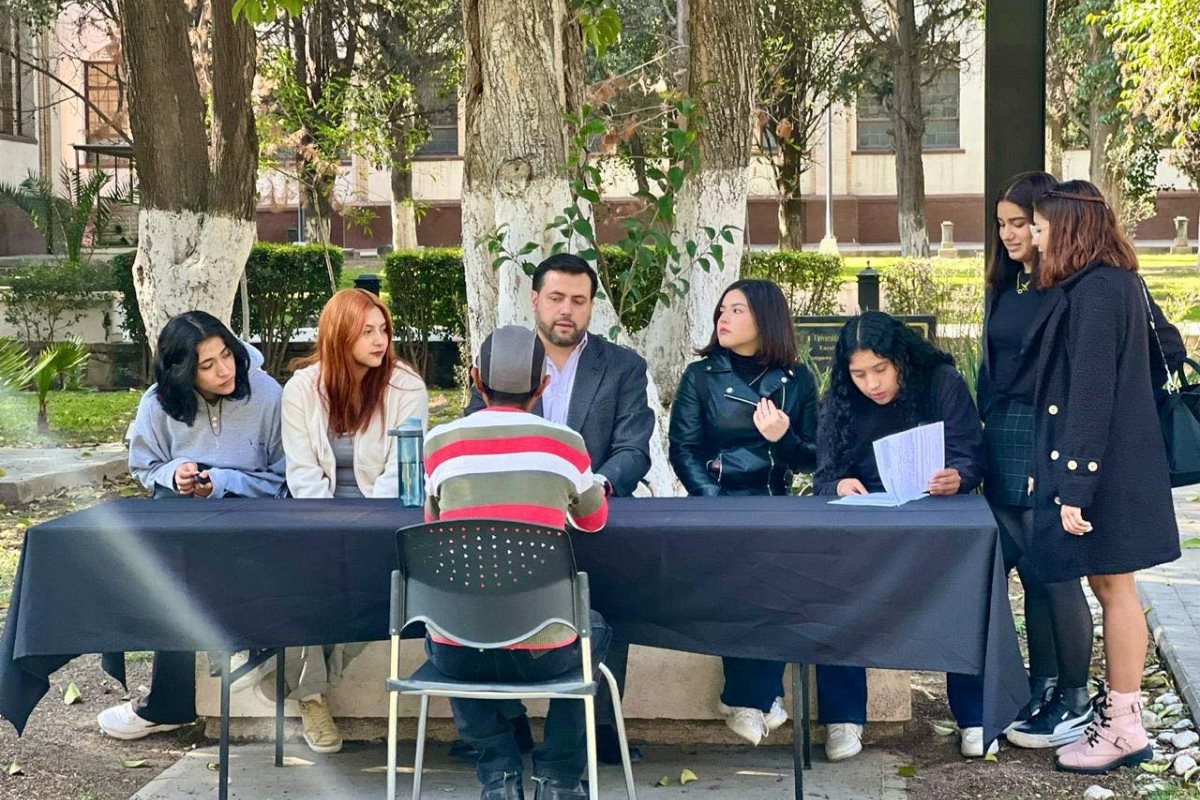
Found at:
<point>1008,437</point>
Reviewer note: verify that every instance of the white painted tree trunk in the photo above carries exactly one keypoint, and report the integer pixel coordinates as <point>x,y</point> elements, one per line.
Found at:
<point>710,198</point>
<point>188,261</point>
<point>404,226</point>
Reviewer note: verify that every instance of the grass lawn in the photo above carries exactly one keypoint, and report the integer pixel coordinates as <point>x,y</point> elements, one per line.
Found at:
<point>80,418</point>
<point>76,418</point>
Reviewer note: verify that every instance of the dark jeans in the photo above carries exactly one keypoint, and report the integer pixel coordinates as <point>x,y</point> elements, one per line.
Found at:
<point>752,683</point>
<point>842,696</point>
<point>484,724</point>
<point>617,662</point>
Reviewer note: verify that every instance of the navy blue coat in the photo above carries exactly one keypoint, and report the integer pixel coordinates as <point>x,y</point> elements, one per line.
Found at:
<point>1098,444</point>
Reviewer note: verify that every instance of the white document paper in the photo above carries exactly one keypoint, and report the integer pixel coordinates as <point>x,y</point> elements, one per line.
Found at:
<point>906,462</point>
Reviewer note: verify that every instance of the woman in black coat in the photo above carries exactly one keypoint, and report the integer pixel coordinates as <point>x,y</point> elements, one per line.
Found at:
<point>885,379</point>
<point>742,422</point>
<point>1102,494</point>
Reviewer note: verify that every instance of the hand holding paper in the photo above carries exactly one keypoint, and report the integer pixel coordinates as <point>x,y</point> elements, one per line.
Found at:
<point>911,463</point>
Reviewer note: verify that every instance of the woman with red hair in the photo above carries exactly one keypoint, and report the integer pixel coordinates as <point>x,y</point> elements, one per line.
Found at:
<point>337,410</point>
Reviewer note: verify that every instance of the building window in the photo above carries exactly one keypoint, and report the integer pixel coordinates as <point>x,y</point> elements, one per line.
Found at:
<point>105,94</point>
<point>16,79</point>
<point>443,134</point>
<point>940,98</point>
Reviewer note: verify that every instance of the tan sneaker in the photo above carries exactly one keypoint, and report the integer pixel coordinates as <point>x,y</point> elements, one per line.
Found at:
<point>320,731</point>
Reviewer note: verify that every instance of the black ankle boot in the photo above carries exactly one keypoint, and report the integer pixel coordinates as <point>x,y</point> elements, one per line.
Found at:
<point>503,786</point>
<point>1040,692</point>
<point>608,746</point>
<point>557,789</point>
<point>1076,699</point>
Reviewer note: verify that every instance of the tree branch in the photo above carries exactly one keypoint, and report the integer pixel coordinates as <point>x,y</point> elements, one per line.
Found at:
<point>75,92</point>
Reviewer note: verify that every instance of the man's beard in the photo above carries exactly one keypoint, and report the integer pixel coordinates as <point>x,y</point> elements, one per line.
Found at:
<point>558,339</point>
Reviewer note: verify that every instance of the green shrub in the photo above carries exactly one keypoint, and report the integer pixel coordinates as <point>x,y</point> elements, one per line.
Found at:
<point>633,292</point>
<point>428,296</point>
<point>121,269</point>
<point>950,290</point>
<point>809,280</point>
<point>288,285</point>
<point>44,297</point>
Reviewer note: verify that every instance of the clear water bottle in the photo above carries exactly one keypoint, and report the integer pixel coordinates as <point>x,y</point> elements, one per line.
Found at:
<point>410,447</point>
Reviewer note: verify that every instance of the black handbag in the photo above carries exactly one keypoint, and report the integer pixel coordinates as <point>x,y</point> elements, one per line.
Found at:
<point>1178,414</point>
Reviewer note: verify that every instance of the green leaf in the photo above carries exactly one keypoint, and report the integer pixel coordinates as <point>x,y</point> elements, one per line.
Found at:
<point>727,234</point>
<point>990,758</point>
<point>72,695</point>
<point>499,262</point>
<point>686,777</point>
<point>943,728</point>
<point>527,249</point>
<point>663,781</point>
<point>134,763</point>
<point>675,178</point>
<point>1191,544</point>
<point>14,769</point>
<point>906,771</point>
<point>690,246</point>
<point>1154,768</point>
<point>584,229</point>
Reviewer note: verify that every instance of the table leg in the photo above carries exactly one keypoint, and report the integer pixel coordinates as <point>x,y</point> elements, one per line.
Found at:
<point>807,704</point>
<point>799,729</point>
<point>279,700</point>
<point>223,745</point>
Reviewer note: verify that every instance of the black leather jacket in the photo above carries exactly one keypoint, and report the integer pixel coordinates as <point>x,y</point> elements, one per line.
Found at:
<point>715,447</point>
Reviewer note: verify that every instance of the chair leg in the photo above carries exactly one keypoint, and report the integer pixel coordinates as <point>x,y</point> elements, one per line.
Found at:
<point>393,711</point>
<point>279,701</point>
<point>589,716</point>
<point>799,731</point>
<point>619,717</point>
<point>419,761</point>
<point>223,745</point>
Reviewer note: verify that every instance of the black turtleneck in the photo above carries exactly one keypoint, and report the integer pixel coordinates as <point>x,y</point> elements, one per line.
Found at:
<point>748,368</point>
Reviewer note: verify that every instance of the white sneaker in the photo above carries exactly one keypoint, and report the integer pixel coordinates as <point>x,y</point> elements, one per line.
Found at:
<point>773,718</point>
<point>747,723</point>
<point>122,722</point>
<point>971,743</point>
<point>843,740</point>
<point>776,716</point>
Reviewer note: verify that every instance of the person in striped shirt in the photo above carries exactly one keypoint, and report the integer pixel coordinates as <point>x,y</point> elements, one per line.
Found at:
<point>472,466</point>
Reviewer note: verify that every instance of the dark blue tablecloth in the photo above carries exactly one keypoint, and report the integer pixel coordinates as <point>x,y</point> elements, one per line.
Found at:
<point>782,578</point>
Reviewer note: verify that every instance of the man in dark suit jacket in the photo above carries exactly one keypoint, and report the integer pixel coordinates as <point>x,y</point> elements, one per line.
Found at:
<point>598,389</point>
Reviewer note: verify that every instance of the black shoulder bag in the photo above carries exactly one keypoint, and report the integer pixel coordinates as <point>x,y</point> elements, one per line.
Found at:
<point>1178,414</point>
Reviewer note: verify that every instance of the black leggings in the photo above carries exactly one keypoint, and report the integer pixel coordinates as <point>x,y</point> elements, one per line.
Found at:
<point>1058,621</point>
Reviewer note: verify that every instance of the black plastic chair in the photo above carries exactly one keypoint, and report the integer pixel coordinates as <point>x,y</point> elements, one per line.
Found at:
<point>490,584</point>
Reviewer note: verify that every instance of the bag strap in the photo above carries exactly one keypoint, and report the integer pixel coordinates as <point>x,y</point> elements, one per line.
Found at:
<point>1171,382</point>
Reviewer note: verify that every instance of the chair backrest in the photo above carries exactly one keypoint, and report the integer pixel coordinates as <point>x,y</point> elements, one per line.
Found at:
<point>487,583</point>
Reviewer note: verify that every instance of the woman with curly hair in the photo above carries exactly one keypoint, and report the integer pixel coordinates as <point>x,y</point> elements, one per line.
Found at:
<point>885,379</point>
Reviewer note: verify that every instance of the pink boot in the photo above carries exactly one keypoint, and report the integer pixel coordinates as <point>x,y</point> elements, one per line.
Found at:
<point>1114,739</point>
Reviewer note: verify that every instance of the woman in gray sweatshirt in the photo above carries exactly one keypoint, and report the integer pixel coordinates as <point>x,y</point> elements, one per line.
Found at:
<point>207,428</point>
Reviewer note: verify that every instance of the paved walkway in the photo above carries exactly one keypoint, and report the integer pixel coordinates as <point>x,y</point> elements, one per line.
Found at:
<point>722,773</point>
<point>28,473</point>
<point>1172,593</point>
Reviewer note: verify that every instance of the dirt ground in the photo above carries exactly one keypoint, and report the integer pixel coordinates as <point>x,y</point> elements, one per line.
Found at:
<point>62,755</point>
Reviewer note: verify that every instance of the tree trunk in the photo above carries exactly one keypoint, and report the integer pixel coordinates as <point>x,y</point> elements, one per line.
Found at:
<point>1055,137</point>
<point>404,218</point>
<point>908,132</point>
<point>524,71</point>
<point>792,222</point>
<point>721,63</point>
<point>637,151</point>
<point>196,223</point>
<point>317,197</point>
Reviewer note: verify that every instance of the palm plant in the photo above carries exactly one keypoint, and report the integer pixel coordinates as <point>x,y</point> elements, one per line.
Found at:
<point>64,219</point>
<point>60,365</point>
<point>14,365</point>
